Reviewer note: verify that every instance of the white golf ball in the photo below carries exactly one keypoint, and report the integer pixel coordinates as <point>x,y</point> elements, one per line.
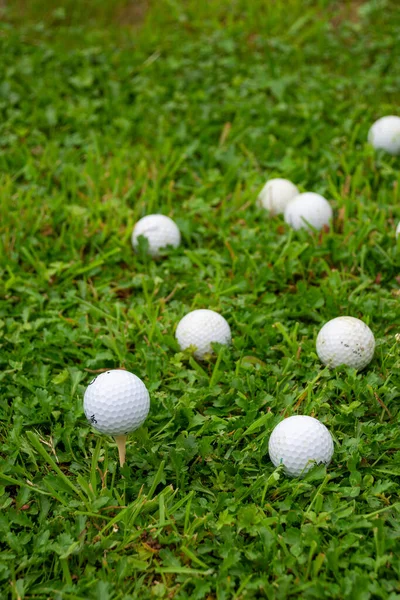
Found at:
<point>299,443</point>
<point>160,232</point>
<point>308,209</point>
<point>200,328</point>
<point>385,134</point>
<point>116,402</point>
<point>276,195</point>
<point>345,341</point>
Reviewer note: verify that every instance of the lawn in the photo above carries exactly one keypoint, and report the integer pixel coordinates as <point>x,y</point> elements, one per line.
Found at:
<point>186,108</point>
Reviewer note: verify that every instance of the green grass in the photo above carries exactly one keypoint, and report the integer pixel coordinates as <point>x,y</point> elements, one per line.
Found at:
<point>188,113</point>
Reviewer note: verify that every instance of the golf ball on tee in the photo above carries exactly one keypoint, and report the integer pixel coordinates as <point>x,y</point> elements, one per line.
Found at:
<point>200,328</point>
<point>345,341</point>
<point>116,402</point>
<point>276,195</point>
<point>299,443</point>
<point>160,232</point>
<point>385,134</point>
<point>308,209</point>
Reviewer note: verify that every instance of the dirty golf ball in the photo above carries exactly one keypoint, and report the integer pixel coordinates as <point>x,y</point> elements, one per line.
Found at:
<point>200,328</point>
<point>298,443</point>
<point>308,209</point>
<point>385,134</point>
<point>276,195</point>
<point>160,232</point>
<point>345,341</point>
<point>116,402</point>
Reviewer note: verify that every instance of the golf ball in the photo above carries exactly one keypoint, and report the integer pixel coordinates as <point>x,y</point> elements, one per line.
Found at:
<point>200,328</point>
<point>160,232</point>
<point>276,195</point>
<point>299,443</point>
<point>308,209</point>
<point>385,134</point>
<point>116,402</point>
<point>345,341</point>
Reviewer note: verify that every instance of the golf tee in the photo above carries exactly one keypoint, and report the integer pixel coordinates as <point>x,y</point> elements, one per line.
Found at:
<point>121,445</point>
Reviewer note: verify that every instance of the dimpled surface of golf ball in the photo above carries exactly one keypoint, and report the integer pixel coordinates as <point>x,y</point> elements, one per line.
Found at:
<point>276,195</point>
<point>200,328</point>
<point>385,134</point>
<point>116,402</point>
<point>160,232</point>
<point>308,208</point>
<point>345,341</point>
<point>299,443</point>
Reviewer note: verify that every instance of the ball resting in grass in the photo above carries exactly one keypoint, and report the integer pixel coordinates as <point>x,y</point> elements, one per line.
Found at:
<point>276,195</point>
<point>308,210</point>
<point>160,232</point>
<point>385,134</point>
<point>345,341</point>
<point>116,403</point>
<point>298,443</point>
<point>199,329</point>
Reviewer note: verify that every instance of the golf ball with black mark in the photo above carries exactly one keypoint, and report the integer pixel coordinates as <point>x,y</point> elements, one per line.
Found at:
<point>200,328</point>
<point>276,195</point>
<point>299,443</point>
<point>385,134</point>
<point>116,402</point>
<point>160,232</point>
<point>346,341</point>
<point>308,209</point>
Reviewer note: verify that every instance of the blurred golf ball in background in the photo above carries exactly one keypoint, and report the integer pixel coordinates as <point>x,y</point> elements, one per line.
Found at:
<point>160,232</point>
<point>385,134</point>
<point>276,195</point>
<point>116,402</point>
<point>299,443</point>
<point>346,341</point>
<point>200,328</point>
<point>308,209</point>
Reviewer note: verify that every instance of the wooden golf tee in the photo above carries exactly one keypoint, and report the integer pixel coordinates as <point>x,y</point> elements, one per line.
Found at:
<point>121,445</point>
